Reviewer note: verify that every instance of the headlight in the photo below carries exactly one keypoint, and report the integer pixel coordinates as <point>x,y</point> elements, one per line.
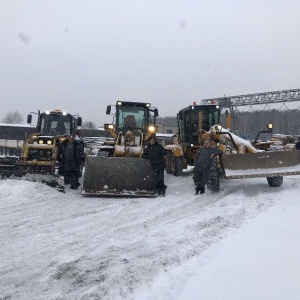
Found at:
<point>41,142</point>
<point>148,105</point>
<point>49,142</point>
<point>151,128</point>
<point>119,102</point>
<point>108,126</point>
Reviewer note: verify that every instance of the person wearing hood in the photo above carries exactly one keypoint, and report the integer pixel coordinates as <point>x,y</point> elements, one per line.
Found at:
<point>156,153</point>
<point>203,161</point>
<point>71,154</point>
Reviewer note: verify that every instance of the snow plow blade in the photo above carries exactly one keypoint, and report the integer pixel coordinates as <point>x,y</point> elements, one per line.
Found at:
<point>117,176</point>
<point>8,166</point>
<point>9,169</point>
<point>54,181</point>
<point>262,164</point>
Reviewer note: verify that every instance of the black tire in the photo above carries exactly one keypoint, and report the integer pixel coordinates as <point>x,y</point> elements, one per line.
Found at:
<point>169,169</point>
<point>174,164</point>
<point>177,171</point>
<point>213,182</point>
<point>275,181</point>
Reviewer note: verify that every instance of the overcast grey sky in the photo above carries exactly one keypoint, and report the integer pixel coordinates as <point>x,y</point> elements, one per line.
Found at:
<point>81,55</point>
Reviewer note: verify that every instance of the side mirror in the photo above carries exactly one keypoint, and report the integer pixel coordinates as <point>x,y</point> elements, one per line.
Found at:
<point>108,109</point>
<point>29,119</point>
<point>156,112</point>
<point>79,121</point>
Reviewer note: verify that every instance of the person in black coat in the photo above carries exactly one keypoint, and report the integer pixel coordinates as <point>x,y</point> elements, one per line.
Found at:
<point>298,144</point>
<point>202,163</point>
<point>71,154</point>
<point>155,152</point>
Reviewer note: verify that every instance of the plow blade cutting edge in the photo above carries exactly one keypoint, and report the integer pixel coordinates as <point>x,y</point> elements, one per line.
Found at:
<point>54,181</point>
<point>117,176</point>
<point>9,169</point>
<point>262,164</point>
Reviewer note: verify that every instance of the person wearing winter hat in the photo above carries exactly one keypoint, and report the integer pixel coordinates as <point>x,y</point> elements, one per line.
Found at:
<point>155,152</point>
<point>71,153</point>
<point>202,163</point>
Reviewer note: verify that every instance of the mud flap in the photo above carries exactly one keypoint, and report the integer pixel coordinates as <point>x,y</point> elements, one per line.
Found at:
<point>117,176</point>
<point>261,164</point>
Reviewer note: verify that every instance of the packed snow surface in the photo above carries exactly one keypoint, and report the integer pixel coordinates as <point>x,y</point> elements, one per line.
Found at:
<point>183,246</point>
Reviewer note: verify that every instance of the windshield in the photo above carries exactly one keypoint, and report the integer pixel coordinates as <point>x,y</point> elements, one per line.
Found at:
<point>131,117</point>
<point>55,124</point>
<point>193,120</point>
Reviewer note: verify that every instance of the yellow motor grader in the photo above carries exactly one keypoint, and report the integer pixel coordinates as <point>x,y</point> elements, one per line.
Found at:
<point>118,168</point>
<point>39,158</point>
<point>241,158</point>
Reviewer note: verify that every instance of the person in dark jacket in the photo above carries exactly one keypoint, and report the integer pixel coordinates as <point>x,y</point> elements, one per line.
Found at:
<point>155,152</point>
<point>71,154</point>
<point>80,145</point>
<point>202,163</point>
<point>298,144</point>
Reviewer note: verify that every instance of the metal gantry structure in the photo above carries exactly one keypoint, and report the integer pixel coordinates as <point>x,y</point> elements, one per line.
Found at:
<point>266,98</point>
<point>258,98</point>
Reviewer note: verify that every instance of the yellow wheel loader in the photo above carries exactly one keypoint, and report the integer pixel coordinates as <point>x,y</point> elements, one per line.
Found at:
<point>240,159</point>
<point>39,158</point>
<point>118,169</point>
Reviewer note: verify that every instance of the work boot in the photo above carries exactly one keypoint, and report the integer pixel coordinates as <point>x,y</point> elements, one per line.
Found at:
<point>158,189</point>
<point>75,186</point>
<point>202,189</point>
<point>163,190</point>
<point>197,190</point>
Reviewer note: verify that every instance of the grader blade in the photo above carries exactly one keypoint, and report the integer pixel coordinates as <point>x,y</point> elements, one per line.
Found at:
<point>261,164</point>
<point>117,176</point>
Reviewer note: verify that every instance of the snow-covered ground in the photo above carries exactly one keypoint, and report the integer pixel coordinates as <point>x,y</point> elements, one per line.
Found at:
<point>240,243</point>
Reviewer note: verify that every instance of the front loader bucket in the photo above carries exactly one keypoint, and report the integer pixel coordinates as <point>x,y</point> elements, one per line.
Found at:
<point>117,176</point>
<point>261,164</point>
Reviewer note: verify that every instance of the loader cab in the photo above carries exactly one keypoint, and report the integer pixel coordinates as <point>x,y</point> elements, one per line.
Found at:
<point>134,116</point>
<point>53,123</point>
<point>194,118</point>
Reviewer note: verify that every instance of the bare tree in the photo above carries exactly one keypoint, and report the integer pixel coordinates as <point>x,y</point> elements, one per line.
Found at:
<point>88,125</point>
<point>13,118</point>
